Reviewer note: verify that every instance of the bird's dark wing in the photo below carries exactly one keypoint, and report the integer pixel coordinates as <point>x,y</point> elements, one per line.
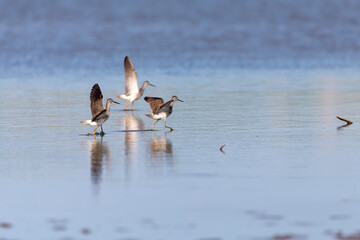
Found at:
<point>166,107</point>
<point>96,100</point>
<point>131,78</point>
<point>155,103</point>
<point>99,116</point>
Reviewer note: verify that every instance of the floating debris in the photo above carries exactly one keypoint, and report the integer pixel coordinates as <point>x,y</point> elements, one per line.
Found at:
<point>345,120</point>
<point>348,123</point>
<point>85,231</point>
<point>5,225</point>
<point>221,148</point>
<point>354,236</point>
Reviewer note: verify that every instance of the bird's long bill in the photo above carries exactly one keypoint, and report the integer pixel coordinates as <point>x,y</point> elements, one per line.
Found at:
<point>115,102</point>
<point>180,100</point>
<point>151,85</point>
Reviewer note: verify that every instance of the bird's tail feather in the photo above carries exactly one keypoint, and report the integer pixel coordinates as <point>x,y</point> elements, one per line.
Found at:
<point>86,122</point>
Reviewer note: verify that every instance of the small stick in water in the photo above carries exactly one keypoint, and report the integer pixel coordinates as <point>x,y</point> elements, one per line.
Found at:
<point>345,120</point>
<point>222,148</point>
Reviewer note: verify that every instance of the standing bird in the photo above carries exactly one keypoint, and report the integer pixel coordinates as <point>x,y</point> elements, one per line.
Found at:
<point>161,111</point>
<point>132,91</point>
<point>99,114</point>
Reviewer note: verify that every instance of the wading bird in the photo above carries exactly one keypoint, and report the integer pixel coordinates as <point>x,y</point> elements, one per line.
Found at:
<point>132,91</point>
<point>99,114</point>
<point>161,111</point>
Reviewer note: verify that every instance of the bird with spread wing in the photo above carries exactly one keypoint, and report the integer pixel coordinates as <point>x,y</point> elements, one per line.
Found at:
<point>99,114</point>
<point>132,90</point>
<point>161,110</point>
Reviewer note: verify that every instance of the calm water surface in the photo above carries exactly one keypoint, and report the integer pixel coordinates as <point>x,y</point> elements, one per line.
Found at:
<point>289,171</point>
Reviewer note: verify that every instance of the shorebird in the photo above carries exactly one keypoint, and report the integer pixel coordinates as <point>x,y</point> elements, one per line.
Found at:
<point>132,91</point>
<point>99,114</point>
<point>161,111</point>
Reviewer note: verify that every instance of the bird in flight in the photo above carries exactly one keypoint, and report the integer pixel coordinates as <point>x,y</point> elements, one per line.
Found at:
<point>132,90</point>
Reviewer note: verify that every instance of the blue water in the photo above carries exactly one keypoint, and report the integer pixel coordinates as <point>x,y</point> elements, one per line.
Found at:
<point>266,78</point>
<point>87,38</point>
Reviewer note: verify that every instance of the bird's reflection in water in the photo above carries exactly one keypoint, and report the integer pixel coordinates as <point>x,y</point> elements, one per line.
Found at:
<point>133,127</point>
<point>161,151</point>
<point>99,149</point>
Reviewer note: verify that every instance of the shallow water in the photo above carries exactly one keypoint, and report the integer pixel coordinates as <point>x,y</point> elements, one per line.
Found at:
<point>286,166</point>
<point>287,172</point>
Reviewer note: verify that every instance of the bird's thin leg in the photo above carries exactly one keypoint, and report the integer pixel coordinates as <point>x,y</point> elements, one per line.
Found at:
<point>127,105</point>
<point>168,127</point>
<point>132,106</point>
<point>102,131</point>
<point>95,130</point>
<point>154,124</point>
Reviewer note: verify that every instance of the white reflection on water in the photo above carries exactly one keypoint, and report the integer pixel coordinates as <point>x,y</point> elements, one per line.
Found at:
<point>161,150</point>
<point>133,127</point>
<point>99,151</point>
